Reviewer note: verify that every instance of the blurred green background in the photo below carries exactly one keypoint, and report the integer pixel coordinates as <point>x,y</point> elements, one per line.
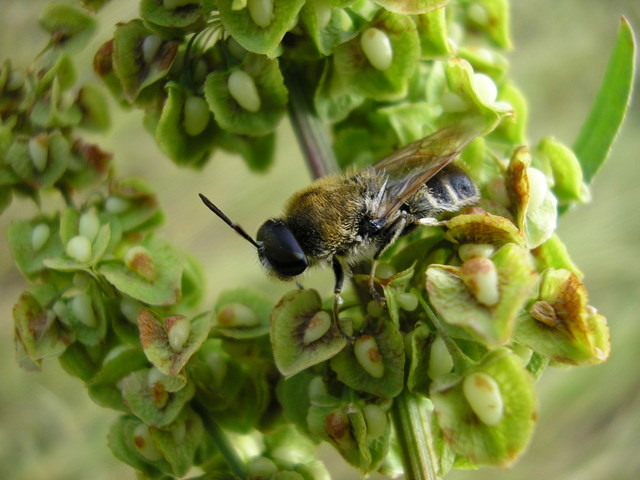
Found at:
<point>589,418</point>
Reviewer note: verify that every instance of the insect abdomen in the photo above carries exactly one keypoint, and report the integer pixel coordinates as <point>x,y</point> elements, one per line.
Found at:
<point>448,191</point>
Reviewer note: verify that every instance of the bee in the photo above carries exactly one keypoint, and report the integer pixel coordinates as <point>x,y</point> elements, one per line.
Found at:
<point>344,218</point>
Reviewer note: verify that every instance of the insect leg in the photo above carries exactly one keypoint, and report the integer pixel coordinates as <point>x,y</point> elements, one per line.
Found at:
<point>390,236</point>
<point>338,271</point>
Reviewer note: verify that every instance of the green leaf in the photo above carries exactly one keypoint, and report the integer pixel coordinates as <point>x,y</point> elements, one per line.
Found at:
<point>325,25</point>
<point>180,441</point>
<point>154,336</point>
<point>391,349</point>
<point>172,22</point>
<point>257,39</point>
<point>289,321</point>
<point>492,17</point>
<point>567,175</point>
<point>150,400</point>
<point>610,106</point>
<point>257,152</point>
<point>259,305</point>
<point>356,70</point>
<point>20,236</point>
<point>165,287</point>
<point>466,434</point>
<point>172,138</point>
<point>69,25</point>
<point>432,29</point>
<point>269,84</point>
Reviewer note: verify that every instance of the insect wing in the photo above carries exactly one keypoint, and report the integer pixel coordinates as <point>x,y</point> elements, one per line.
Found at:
<point>408,169</point>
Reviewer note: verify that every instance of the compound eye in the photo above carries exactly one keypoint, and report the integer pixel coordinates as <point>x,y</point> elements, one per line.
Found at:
<point>281,249</point>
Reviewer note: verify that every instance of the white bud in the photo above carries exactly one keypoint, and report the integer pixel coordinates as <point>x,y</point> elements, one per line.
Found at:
<point>385,270</point>
<point>481,276</point>
<point>407,301</point>
<point>39,236</point>
<point>178,331</point>
<point>478,14</point>
<point>440,361</point>
<point>79,248</point>
<point>83,310</point>
<point>89,225</point>
<point>538,187</point>
<point>237,5</point>
<point>376,419</point>
<point>144,444</point>
<point>377,48</point>
<point>366,351</point>
<point>244,91</point>
<point>39,151</point>
<point>483,394</point>
<point>150,46</point>
<point>237,315</point>
<point>195,115</point>
<point>116,205</point>
<point>345,21</point>
<point>323,12</point>
<point>453,103</point>
<point>317,326</point>
<point>261,12</point>
<point>486,88</point>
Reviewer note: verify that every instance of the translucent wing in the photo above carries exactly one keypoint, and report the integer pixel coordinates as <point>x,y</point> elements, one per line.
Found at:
<point>411,167</point>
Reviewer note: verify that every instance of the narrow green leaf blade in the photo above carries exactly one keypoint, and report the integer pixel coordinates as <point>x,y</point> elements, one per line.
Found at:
<point>610,106</point>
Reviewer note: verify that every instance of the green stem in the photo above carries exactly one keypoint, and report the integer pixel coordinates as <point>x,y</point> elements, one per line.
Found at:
<point>309,129</point>
<point>412,422</point>
<point>222,442</point>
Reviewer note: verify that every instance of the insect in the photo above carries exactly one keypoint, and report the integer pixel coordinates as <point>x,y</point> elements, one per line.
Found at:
<point>343,218</point>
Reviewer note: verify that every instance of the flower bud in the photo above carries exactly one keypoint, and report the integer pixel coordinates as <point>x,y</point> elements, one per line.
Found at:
<point>323,13</point>
<point>150,46</point>
<point>366,351</point>
<point>538,187</point>
<point>178,329</point>
<point>79,248</point>
<point>376,420</point>
<point>261,467</point>
<point>481,276</point>
<point>483,394</point>
<point>195,115</point>
<point>385,270</point>
<point>261,12</point>
<point>244,91</point>
<point>453,103</point>
<point>440,361</point>
<point>478,14</point>
<point>140,261</point>
<point>377,48</point>
<point>88,225</point>
<point>144,444</point>
<point>39,151</point>
<point>39,236</point>
<point>316,388</point>
<point>317,326</point>
<point>237,315</point>
<point>83,310</point>
<point>374,309</point>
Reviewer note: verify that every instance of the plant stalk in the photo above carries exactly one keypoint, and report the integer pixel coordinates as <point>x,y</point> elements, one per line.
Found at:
<point>412,422</point>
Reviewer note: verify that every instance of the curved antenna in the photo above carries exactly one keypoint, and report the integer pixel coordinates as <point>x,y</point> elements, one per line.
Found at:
<point>228,221</point>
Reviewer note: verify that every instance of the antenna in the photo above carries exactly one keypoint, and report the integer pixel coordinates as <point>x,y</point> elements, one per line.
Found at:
<point>228,221</point>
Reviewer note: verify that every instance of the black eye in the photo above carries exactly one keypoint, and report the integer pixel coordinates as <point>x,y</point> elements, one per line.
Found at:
<point>281,249</point>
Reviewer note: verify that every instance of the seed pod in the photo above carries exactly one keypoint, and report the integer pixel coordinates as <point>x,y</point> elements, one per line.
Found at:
<point>408,301</point>
<point>243,89</point>
<point>88,225</point>
<point>483,394</point>
<point>376,420</point>
<point>116,205</point>
<point>440,361</point>
<point>317,326</point>
<point>195,115</point>
<point>377,48</point>
<point>261,12</point>
<point>39,236</point>
<point>366,351</point>
<point>79,248</point>
<point>237,315</point>
<point>481,276</point>
<point>178,329</point>
<point>83,310</point>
